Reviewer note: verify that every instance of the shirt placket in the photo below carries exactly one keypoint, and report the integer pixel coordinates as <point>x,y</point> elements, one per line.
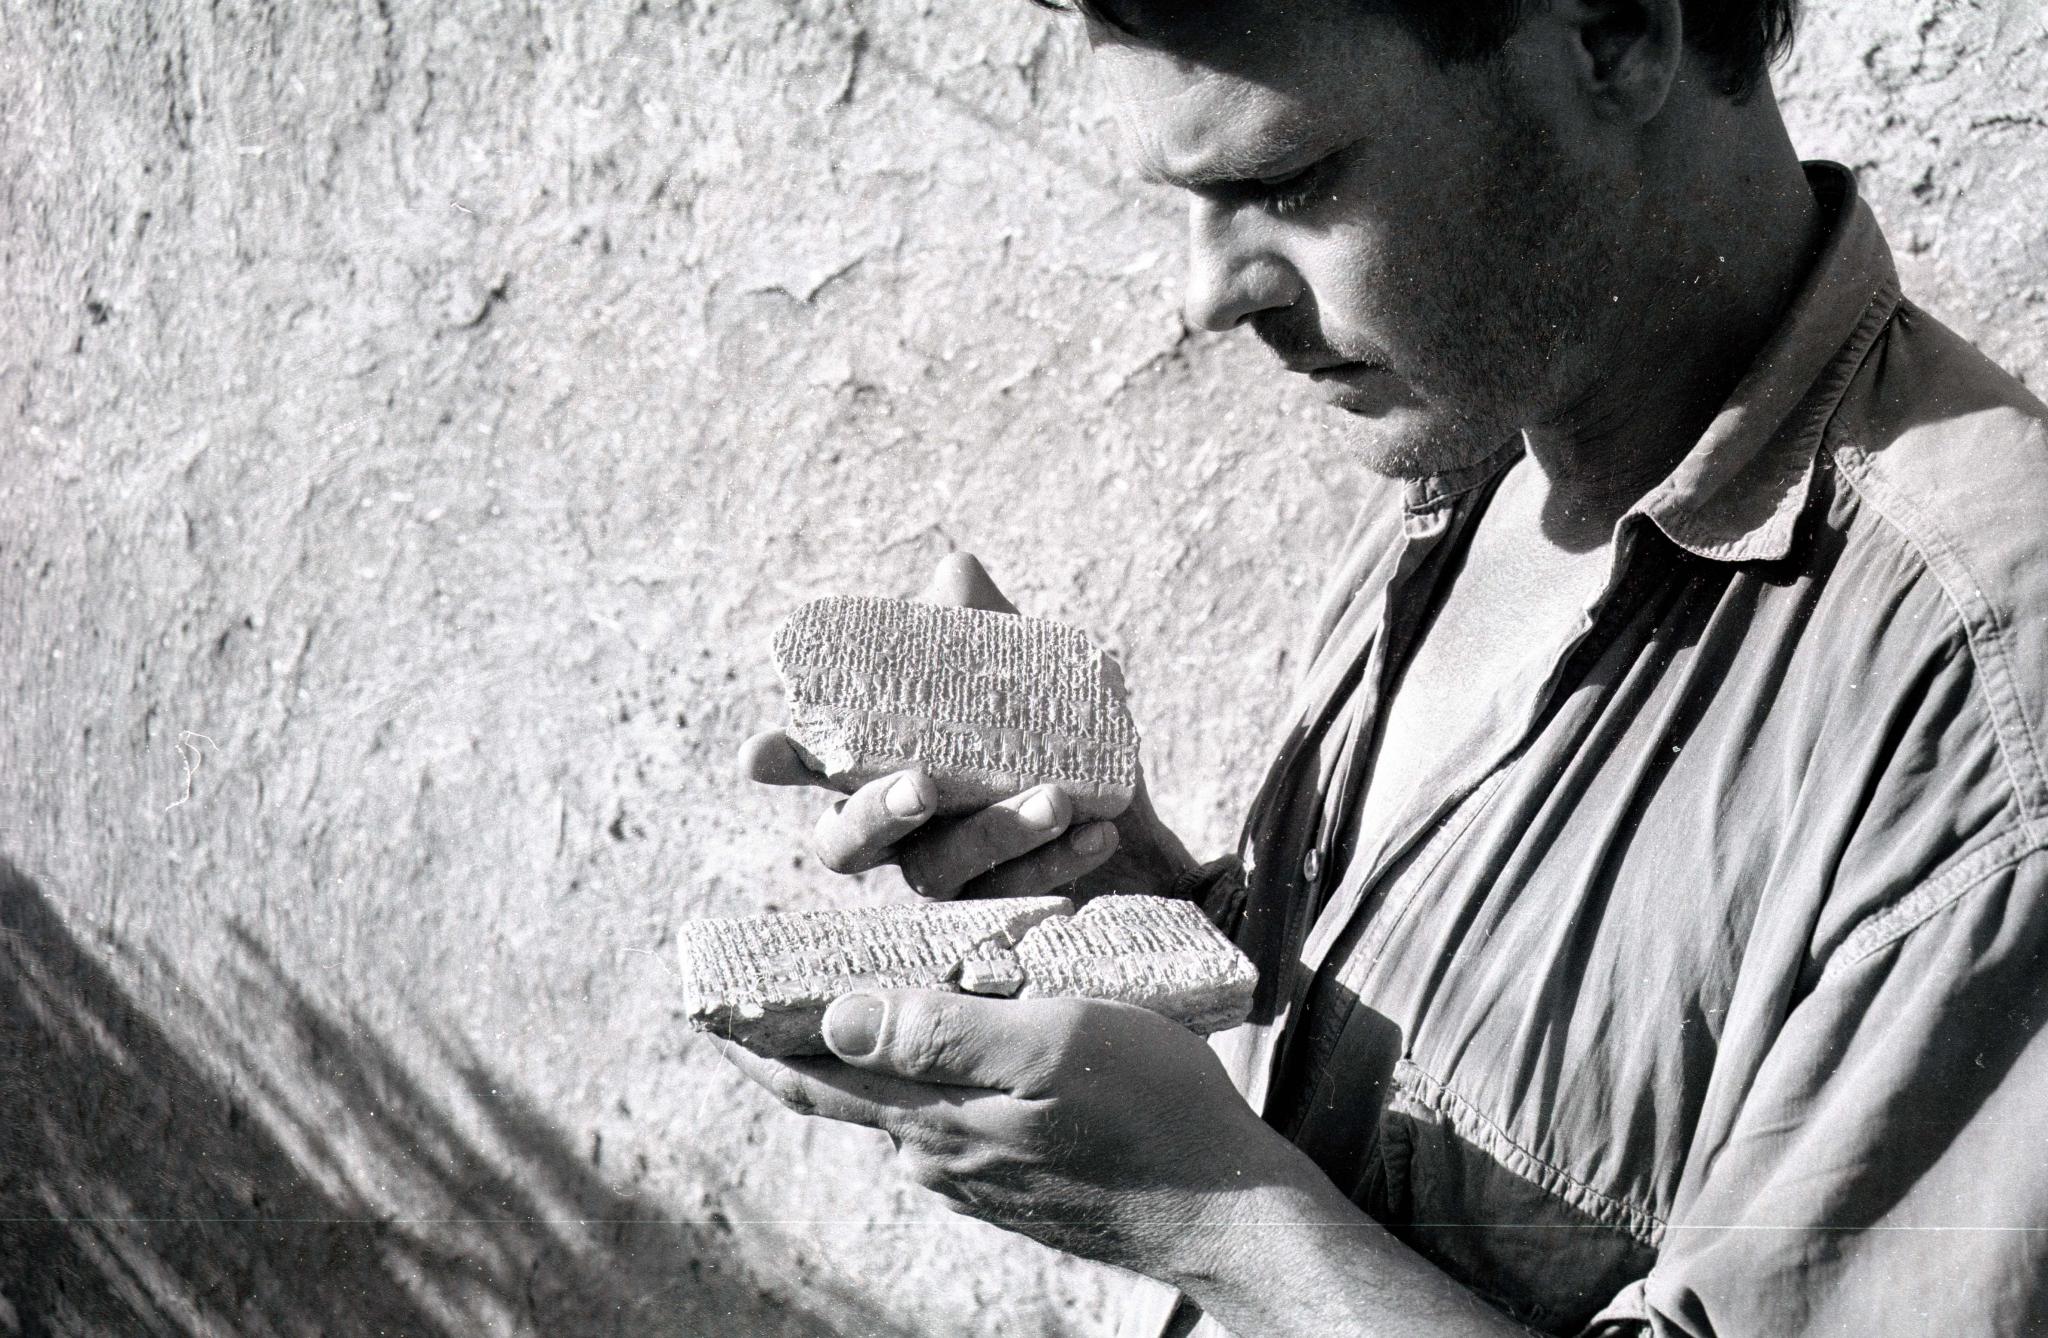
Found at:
<point>1513,716</point>
<point>1347,717</point>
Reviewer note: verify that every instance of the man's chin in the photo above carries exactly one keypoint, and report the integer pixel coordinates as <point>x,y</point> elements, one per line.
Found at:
<point>1411,446</point>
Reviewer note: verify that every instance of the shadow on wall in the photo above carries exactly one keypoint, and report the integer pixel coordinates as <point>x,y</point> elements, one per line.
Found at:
<point>139,1194</point>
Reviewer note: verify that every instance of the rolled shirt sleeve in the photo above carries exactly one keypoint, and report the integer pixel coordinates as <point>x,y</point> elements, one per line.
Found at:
<point>1887,1171</point>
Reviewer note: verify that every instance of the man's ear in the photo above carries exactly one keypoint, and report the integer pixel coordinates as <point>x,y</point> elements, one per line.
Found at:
<point>1625,53</point>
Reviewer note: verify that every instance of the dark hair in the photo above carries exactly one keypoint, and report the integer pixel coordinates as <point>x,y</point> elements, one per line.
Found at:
<point>1738,39</point>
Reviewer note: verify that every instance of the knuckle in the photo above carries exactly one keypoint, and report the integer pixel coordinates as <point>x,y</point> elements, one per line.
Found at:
<point>1023,1125</point>
<point>984,842</point>
<point>1007,835</point>
<point>922,1140</point>
<point>925,870</point>
<point>792,1091</point>
<point>926,889</point>
<point>1069,1043</point>
<point>927,1170</point>
<point>1031,875</point>
<point>842,842</point>
<point>831,852</point>
<point>921,1041</point>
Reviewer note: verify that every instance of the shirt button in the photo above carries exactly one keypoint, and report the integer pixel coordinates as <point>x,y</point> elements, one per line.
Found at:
<point>1312,865</point>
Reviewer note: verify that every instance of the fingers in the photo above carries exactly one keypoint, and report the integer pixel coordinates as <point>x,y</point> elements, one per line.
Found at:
<point>1013,849</point>
<point>829,1088</point>
<point>961,580</point>
<point>962,1040</point>
<point>806,1086</point>
<point>1050,867</point>
<point>859,832</point>
<point>771,759</point>
<point>779,1077</point>
<point>942,862</point>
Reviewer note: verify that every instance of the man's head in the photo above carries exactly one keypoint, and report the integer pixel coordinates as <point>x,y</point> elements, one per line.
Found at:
<point>1735,40</point>
<point>1438,216</point>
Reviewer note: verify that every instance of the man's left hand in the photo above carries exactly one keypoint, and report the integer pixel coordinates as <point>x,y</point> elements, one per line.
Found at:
<point>1098,1128</point>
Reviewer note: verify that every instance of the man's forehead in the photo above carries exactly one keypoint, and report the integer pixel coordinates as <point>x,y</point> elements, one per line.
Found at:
<point>1190,122</point>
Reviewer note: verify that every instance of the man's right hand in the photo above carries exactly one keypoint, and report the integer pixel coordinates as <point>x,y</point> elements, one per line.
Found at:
<point>1026,845</point>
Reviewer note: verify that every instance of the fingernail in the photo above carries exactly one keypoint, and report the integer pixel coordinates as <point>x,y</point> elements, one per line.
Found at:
<point>906,798</point>
<point>1095,838</point>
<point>1038,811</point>
<point>853,1024</point>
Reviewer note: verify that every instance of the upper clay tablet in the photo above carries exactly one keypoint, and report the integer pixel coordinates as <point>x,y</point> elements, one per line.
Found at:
<point>989,704</point>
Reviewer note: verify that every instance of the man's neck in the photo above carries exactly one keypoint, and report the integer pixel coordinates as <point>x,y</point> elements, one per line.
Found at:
<point>1741,230</point>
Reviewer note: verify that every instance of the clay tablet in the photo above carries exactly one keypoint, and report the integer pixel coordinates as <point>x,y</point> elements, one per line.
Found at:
<point>1155,952</point>
<point>765,980</point>
<point>989,703</point>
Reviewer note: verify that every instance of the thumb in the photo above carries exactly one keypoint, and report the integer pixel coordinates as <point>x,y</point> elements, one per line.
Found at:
<point>956,1040</point>
<point>962,581</point>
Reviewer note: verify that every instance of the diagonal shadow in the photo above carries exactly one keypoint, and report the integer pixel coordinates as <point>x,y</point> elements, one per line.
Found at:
<point>328,1190</point>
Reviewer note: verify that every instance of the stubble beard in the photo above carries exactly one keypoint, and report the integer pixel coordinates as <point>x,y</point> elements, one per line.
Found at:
<point>1515,328</point>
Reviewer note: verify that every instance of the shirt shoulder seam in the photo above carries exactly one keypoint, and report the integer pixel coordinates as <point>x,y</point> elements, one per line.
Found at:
<point>1983,631</point>
<point>1882,928</point>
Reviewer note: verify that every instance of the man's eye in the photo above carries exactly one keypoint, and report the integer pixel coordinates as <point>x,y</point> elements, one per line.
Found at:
<point>1284,195</point>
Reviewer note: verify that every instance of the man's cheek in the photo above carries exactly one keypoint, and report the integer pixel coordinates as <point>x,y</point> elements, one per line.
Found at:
<point>1353,287</point>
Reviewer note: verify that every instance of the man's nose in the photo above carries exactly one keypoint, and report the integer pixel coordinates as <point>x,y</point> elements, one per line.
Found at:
<point>1232,276</point>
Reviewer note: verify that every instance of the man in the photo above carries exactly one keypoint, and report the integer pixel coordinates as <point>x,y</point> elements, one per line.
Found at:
<point>1648,893</point>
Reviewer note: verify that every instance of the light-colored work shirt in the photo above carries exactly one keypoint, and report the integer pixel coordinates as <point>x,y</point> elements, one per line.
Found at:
<point>1707,995</point>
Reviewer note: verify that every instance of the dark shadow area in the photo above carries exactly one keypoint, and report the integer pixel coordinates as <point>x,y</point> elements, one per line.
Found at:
<point>1415,1167</point>
<point>139,1194</point>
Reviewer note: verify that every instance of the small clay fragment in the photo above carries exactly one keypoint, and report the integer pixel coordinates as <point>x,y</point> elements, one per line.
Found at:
<point>992,969</point>
<point>990,704</point>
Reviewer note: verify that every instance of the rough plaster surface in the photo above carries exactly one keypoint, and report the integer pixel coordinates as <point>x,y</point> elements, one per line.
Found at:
<point>418,417</point>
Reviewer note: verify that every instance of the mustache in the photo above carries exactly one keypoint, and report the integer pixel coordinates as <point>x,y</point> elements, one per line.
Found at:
<point>1293,340</point>
<point>1300,344</point>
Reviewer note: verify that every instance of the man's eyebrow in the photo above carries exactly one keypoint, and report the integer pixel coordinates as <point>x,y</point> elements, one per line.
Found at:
<point>1233,167</point>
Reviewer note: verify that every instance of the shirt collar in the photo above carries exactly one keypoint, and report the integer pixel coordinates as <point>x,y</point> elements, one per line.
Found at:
<point>1737,495</point>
